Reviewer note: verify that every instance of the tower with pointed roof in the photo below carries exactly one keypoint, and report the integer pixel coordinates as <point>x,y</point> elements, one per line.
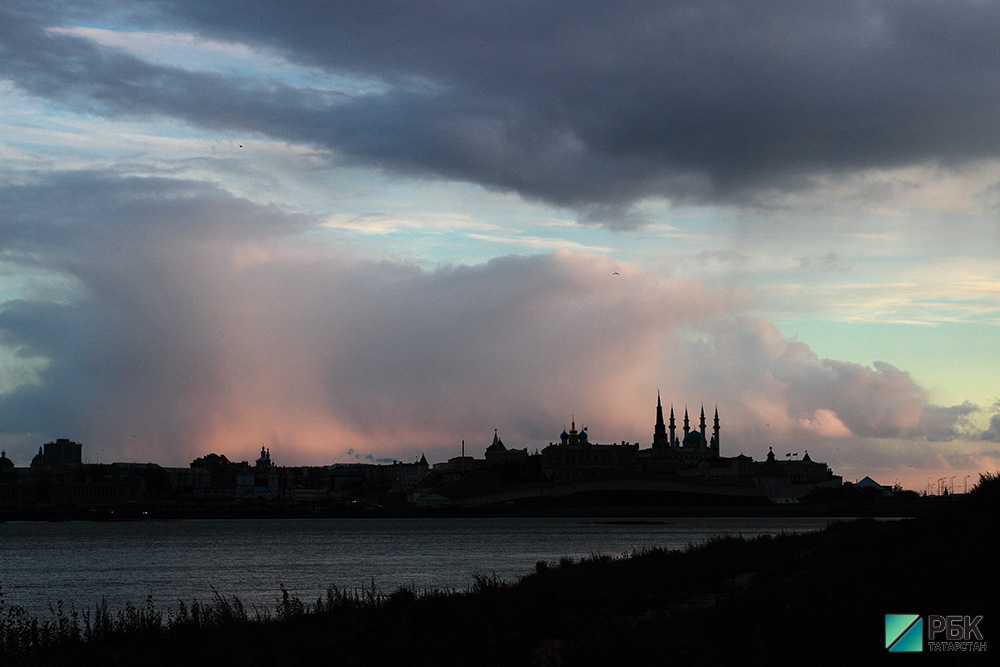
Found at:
<point>694,444</point>
<point>673,427</point>
<point>660,429</point>
<point>497,447</point>
<point>715,432</point>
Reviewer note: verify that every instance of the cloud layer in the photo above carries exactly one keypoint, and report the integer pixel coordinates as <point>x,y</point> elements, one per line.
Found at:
<point>593,107</point>
<point>194,321</point>
<point>799,159</point>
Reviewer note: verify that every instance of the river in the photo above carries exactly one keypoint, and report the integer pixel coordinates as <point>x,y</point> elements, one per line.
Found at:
<point>81,563</point>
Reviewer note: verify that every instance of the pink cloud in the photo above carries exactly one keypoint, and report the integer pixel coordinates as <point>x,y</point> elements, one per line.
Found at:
<point>205,323</point>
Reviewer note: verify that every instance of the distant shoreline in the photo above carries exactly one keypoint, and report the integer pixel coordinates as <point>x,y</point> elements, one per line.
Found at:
<point>568,509</point>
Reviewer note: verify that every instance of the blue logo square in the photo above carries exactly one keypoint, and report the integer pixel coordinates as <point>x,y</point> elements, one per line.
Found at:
<point>904,633</point>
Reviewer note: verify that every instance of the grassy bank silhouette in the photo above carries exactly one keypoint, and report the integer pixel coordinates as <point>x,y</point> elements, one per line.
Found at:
<point>820,597</point>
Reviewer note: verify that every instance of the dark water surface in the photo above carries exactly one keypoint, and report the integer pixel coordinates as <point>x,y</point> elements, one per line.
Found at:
<point>81,563</point>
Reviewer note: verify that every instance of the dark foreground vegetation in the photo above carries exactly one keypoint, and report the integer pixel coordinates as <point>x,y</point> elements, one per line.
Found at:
<point>791,599</point>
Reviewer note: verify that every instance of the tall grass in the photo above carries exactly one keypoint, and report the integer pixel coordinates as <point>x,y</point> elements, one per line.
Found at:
<point>22,634</point>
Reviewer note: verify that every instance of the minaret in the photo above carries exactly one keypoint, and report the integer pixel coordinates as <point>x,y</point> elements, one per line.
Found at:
<point>715,429</point>
<point>673,427</point>
<point>660,431</point>
<point>701,426</point>
<point>687,426</point>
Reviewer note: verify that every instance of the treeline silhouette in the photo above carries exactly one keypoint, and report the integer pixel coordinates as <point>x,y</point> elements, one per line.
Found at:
<point>818,597</point>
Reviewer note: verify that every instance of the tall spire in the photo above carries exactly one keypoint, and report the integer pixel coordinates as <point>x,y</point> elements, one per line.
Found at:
<point>701,426</point>
<point>673,425</point>
<point>716,428</point>
<point>660,431</point>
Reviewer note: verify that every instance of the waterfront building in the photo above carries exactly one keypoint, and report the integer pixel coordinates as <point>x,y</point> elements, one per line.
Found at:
<point>6,467</point>
<point>261,481</point>
<point>184,481</point>
<point>14,490</point>
<point>363,479</point>
<point>57,477</point>
<point>673,454</point>
<point>499,457</point>
<point>577,458</point>
<point>62,456</point>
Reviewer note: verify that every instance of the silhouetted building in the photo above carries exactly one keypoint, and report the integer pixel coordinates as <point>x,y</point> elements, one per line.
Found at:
<point>58,477</point>
<point>576,458</point>
<point>15,489</point>
<point>358,480</point>
<point>305,483</point>
<point>786,481</point>
<point>222,475</point>
<point>695,454</point>
<point>870,485</point>
<point>61,456</point>
<point>498,457</point>
<point>673,454</point>
<point>6,468</point>
<point>261,481</point>
<point>184,481</point>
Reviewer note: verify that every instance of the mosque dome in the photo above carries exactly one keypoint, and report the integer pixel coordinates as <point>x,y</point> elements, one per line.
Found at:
<point>692,439</point>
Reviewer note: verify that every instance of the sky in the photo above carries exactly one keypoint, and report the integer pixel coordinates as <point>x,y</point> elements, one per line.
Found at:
<point>366,231</point>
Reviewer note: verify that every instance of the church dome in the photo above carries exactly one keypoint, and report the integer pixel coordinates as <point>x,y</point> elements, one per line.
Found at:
<point>5,463</point>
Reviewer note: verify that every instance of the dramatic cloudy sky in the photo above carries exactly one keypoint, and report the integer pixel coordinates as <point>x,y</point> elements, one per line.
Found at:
<point>370,230</point>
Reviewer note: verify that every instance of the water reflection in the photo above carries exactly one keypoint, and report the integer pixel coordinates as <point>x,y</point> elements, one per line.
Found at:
<point>81,563</point>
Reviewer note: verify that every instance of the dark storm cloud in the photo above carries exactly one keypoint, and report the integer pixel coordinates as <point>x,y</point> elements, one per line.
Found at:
<point>591,105</point>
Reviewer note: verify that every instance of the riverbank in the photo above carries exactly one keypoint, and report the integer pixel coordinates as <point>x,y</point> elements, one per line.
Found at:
<point>615,506</point>
<point>819,597</point>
